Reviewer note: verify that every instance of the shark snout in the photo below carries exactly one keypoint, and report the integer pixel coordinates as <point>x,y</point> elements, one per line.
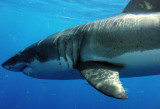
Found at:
<point>7,67</point>
<point>18,67</point>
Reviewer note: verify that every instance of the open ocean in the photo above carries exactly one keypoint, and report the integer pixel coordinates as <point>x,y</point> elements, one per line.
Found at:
<point>24,22</point>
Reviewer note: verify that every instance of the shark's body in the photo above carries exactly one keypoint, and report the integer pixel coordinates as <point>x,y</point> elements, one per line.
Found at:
<point>127,45</point>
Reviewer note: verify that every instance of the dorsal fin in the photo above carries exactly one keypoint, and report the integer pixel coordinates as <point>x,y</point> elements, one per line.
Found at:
<point>137,6</point>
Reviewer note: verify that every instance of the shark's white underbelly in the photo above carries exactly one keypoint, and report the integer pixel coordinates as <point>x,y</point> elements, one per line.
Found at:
<point>137,59</point>
<point>52,69</point>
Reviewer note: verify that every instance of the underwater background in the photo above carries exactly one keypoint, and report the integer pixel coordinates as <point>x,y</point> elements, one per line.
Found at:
<point>24,22</point>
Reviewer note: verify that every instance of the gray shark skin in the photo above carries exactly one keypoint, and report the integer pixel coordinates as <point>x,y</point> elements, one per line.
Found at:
<point>127,45</point>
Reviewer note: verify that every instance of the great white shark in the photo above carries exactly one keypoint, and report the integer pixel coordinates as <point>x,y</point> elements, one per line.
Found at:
<point>127,45</point>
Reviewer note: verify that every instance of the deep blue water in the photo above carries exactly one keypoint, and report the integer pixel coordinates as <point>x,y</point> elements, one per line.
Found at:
<point>23,22</point>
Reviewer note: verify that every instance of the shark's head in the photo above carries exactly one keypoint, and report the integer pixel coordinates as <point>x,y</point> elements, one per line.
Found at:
<point>23,59</point>
<point>37,60</point>
<point>16,63</point>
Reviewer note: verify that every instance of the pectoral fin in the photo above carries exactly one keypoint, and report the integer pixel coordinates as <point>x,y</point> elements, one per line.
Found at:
<point>103,79</point>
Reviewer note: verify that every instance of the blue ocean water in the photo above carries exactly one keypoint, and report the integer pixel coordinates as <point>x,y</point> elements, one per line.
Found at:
<point>23,22</point>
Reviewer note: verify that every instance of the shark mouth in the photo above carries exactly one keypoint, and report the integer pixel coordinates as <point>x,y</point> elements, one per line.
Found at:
<point>24,67</point>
